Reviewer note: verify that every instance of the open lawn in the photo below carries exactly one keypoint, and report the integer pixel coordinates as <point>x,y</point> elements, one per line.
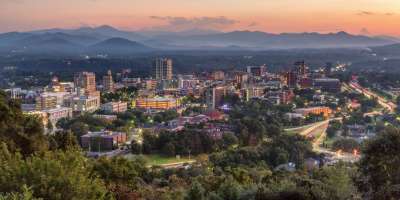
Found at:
<point>159,160</point>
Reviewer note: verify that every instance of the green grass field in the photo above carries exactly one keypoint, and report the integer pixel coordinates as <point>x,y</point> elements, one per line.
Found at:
<point>159,160</point>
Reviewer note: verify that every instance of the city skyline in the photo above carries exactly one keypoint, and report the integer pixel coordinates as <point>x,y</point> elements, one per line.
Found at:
<point>371,17</point>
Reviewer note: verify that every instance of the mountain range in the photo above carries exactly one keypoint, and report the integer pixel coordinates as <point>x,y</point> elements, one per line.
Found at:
<point>109,40</point>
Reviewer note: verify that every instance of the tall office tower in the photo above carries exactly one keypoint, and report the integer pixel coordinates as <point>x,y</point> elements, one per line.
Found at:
<point>87,81</point>
<point>214,96</point>
<point>291,79</point>
<point>162,69</point>
<point>328,68</point>
<point>241,79</point>
<point>108,82</point>
<point>257,70</point>
<point>301,68</point>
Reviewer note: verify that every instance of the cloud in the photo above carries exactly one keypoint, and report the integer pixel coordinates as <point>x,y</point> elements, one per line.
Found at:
<point>365,13</point>
<point>364,31</point>
<point>183,23</point>
<point>252,24</point>
<point>369,13</point>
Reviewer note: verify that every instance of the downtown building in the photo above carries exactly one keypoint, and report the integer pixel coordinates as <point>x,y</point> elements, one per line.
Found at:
<point>115,107</point>
<point>162,69</point>
<point>158,103</point>
<point>86,81</point>
<point>215,96</point>
<point>257,70</point>
<point>218,75</point>
<point>108,83</point>
<point>319,110</point>
<point>83,104</point>
<point>103,141</point>
<point>327,84</point>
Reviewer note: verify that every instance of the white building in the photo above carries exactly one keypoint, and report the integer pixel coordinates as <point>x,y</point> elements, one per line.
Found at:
<point>84,103</point>
<point>53,115</point>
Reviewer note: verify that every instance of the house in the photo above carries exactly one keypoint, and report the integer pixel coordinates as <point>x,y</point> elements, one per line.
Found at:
<point>215,115</point>
<point>103,140</point>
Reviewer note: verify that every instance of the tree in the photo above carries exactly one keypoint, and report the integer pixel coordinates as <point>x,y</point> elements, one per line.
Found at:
<point>169,149</point>
<point>338,181</point>
<point>196,192</point>
<point>346,144</point>
<point>49,126</point>
<point>230,189</point>
<point>300,102</point>
<point>136,147</point>
<point>229,139</point>
<point>119,171</point>
<point>334,127</point>
<point>51,175</point>
<point>273,130</point>
<point>24,133</point>
<point>25,194</point>
<point>379,166</point>
<point>79,129</point>
<point>63,140</point>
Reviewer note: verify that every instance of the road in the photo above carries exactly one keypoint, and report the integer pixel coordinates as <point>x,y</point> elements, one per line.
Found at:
<point>319,130</point>
<point>382,101</point>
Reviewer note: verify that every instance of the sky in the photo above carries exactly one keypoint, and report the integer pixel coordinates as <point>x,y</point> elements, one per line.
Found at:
<point>368,17</point>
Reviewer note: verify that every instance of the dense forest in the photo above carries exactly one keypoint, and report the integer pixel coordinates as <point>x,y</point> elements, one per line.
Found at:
<point>190,61</point>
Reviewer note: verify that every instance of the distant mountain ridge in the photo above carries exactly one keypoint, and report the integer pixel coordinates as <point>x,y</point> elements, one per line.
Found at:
<point>118,46</point>
<point>387,50</point>
<point>261,40</point>
<point>111,40</point>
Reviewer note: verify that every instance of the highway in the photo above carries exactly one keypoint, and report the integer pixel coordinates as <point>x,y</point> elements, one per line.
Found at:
<point>319,129</point>
<point>382,101</point>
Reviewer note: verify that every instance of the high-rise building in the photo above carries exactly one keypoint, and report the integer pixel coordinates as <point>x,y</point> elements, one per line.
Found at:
<point>257,70</point>
<point>301,68</point>
<point>291,79</point>
<point>218,75</point>
<point>241,79</point>
<point>215,96</point>
<point>328,68</point>
<point>162,69</point>
<point>108,82</point>
<point>87,81</point>
<point>251,92</point>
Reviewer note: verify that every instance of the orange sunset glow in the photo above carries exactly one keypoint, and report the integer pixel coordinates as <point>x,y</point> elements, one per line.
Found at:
<point>373,17</point>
